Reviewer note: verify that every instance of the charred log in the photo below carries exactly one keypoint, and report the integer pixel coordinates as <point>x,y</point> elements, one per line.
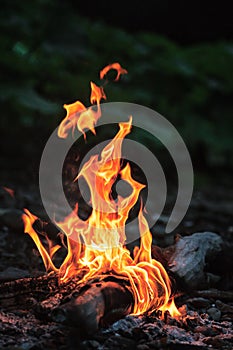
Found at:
<point>96,305</point>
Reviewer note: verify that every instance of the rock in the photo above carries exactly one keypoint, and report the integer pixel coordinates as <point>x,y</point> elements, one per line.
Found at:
<point>189,258</point>
<point>214,313</point>
<point>143,347</point>
<point>90,344</point>
<point>12,218</point>
<point>224,308</point>
<point>199,303</point>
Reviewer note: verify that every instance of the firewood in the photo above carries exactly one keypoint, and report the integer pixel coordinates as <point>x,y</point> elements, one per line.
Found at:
<point>190,256</point>
<point>97,304</point>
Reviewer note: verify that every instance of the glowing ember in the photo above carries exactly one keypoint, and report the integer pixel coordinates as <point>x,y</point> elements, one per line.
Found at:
<point>98,245</point>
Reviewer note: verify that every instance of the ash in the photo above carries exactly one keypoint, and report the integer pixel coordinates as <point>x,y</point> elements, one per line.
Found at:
<point>32,328</point>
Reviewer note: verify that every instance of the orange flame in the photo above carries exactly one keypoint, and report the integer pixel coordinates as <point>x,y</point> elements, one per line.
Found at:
<point>10,191</point>
<point>97,245</point>
<point>115,66</point>
<point>81,117</point>
<point>29,220</point>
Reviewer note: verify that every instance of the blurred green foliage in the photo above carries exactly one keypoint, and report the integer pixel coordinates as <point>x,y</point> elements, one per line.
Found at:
<point>49,54</point>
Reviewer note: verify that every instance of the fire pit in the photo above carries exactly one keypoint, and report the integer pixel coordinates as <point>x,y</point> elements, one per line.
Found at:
<point>102,294</point>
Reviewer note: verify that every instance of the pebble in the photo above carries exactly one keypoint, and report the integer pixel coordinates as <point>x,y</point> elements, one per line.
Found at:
<point>90,344</point>
<point>143,347</point>
<point>214,313</point>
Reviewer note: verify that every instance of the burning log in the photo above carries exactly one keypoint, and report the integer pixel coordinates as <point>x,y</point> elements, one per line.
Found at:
<point>87,306</point>
<point>97,304</point>
<point>191,255</point>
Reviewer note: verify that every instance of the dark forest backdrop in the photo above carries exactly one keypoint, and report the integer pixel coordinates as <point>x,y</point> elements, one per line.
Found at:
<point>179,58</point>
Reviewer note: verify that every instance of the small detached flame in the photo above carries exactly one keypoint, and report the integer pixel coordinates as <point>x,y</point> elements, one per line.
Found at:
<point>98,245</point>
<point>9,191</point>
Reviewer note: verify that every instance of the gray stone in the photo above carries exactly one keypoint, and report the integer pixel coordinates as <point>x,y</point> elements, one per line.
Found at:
<point>189,258</point>
<point>214,313</point>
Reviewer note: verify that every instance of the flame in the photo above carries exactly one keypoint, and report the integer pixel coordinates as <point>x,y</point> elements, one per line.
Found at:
<point>9,191</point>
<point>115,66</point>
<point>97,245</point>
<point>81,117</point>
<point>29,220</point>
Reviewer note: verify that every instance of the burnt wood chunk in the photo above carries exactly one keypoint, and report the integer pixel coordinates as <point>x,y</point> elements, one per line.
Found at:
<point>96,305</point>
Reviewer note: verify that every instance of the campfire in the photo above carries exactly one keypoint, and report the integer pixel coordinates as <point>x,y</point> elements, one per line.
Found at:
<point>96,248</point>
<point>99,292</point>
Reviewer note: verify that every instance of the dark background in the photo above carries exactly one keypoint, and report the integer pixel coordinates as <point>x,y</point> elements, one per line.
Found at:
<point>178,55</point>
<point>181,21</point>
